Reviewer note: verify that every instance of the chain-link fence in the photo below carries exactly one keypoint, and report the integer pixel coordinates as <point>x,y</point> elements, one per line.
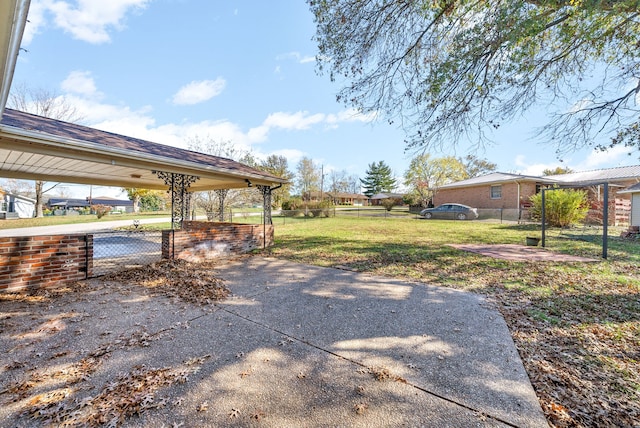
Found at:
<point>117,250</point>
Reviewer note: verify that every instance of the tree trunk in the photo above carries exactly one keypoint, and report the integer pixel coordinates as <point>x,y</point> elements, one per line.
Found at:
<point>136,203</point>
<point>39,192</point>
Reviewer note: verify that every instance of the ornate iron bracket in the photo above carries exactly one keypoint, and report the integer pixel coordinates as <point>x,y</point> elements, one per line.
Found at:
<point>266,202</point>
<point>180,196</point>
<point>222,195</point>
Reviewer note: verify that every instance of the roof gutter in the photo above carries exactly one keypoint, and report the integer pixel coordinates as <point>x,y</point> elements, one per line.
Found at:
<point>19,20</point>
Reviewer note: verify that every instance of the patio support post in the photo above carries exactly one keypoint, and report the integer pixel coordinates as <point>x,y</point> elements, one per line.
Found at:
<point>222,195</point>
<point>605,222</point>
<point>544,219</point>
<point>180,196</point>
<point>266,202</point>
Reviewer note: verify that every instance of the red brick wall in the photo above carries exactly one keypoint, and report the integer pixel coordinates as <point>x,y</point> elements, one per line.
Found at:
<point>42,261</point>
<point>201,240</point>
<point>480,196</point>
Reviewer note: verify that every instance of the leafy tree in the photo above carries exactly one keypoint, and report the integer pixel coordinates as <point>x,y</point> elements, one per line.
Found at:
<point>153,201</point>
<point>309,176</point>
<point>379,179</point>
<point>475,167</point>
<point>425,175</point>
<point>135,195</point>
<point>557,170</point>
<point>48,104</point>
<point>278,165</point>
<point>445,68</point>
<point>563,207</point>
<point>214,202</point>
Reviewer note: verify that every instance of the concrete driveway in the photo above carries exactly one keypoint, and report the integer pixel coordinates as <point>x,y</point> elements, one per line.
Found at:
<point>295,345</point>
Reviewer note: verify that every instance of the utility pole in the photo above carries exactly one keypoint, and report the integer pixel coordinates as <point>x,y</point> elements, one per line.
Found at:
<point>321,183</point>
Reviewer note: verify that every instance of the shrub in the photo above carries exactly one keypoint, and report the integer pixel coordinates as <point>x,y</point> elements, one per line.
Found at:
<point>389,203</point>
<point>101,210</point>
<point>292,207</point>
<point>563,207</point>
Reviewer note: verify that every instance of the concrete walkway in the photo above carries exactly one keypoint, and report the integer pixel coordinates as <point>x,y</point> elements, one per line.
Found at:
<point>295,345</point>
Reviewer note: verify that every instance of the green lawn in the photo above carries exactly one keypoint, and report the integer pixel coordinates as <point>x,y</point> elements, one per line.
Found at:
<point>576,325</point>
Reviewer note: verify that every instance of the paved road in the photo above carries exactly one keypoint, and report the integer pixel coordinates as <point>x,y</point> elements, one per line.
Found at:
<point>77,227</point>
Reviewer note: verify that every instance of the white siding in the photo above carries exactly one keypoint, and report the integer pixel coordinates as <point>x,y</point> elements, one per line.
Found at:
<point>635,209</point>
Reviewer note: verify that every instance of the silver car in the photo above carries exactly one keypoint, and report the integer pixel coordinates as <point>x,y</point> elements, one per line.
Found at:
<point>451,212</point>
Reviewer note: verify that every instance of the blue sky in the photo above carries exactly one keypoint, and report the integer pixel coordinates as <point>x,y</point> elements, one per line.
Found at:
<point>240,71</point>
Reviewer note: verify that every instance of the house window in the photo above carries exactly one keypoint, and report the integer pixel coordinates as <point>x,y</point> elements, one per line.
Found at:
<point>496,192</point>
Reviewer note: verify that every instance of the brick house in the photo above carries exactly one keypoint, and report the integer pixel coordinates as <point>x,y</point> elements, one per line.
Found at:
<point>504,193</point>
<point>507,195</point>
<point>378,198</point>
<point>338,198</point>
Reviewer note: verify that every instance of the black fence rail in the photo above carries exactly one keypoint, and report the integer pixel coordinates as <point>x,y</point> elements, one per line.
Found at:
<point>117,250</point>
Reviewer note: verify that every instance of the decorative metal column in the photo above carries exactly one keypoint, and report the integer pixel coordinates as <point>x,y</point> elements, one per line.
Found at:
<point>180,197</point>
<point>266,202</point>
<point>222,195</point>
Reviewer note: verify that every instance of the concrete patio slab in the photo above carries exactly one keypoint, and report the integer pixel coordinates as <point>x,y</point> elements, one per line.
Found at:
<point>295,345</point>
<point>519,253</point>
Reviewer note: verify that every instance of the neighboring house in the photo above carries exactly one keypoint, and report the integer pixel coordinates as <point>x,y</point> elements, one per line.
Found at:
<point>338,198</point>
<point>70,204</point>
<point>634,192</point>
<point>378,198</point>
<point>16,206</point>
<point>496,191</point>
<point>509,193</point>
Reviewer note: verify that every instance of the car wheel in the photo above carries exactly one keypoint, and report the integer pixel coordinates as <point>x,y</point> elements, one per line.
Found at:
<point>462,216</point>
<point>428,215</point>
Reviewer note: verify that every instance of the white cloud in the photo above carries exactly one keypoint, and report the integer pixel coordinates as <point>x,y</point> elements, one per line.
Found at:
<point>199,91</point>
<point>81,83</point>
<point>534,169</point>
<point>350,115</point>
<point>299,121</point>
<point>613,156</point>
<point>296,57</point>
<point>140,123</point>
<point>86,20</point>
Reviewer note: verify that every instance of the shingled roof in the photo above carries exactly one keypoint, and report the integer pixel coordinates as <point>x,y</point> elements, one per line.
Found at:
<point>36,147</point>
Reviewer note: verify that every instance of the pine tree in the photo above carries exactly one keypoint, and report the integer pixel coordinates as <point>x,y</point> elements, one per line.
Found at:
<point>378,179</point>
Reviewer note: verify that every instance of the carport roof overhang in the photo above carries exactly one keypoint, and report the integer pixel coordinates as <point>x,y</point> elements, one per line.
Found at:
<point>38,148</point>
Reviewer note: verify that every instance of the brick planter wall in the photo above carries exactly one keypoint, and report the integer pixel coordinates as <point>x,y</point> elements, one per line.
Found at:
<point>201,240</point>
<point>42,261</point>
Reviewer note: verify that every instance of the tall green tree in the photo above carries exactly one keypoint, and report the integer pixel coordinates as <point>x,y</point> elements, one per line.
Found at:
<point>378,179</point>
<point>144,199</point>
<point>308,177</point>
<point>426,174</point>
<point>447,67</point>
